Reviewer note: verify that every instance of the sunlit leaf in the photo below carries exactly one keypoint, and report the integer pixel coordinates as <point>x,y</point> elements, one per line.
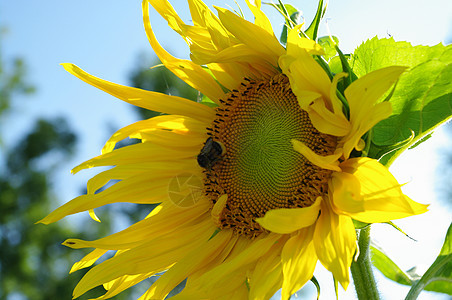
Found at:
<point>312,30</point>
<point>328,44</point>
<point>438,277</point>
<point>295,18</point>
<point>422,99</point>
<point>207,101</point>
<point>387,267</point>
<point>292,17</point>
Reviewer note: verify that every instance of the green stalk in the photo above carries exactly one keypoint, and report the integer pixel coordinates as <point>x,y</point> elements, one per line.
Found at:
<point>362,273</point>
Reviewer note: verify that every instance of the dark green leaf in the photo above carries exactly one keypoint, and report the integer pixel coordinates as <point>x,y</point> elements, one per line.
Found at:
<point>312,30</point>
<point>422,99</point>
<point>291,15</point>
<point>317,286</point>
<point>295,18</point>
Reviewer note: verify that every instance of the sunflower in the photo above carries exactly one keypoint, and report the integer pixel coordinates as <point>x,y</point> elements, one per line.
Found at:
<point>251,193</point>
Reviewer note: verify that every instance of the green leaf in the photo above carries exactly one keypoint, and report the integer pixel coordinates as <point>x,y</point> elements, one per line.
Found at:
<point>291,15</point>
<point>422,99</point>
<point>328,44</point>
<point>378,53</point>
<point>312,30</point>
<point>387,267</point>
<point>317,286</point>
<point>207,101</point>
<point>438,277</point>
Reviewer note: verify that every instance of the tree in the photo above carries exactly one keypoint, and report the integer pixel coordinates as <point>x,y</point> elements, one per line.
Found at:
<point>33,263</point>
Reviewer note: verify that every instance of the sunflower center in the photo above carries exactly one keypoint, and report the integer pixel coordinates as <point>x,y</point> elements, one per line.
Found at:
<point>259,170</point>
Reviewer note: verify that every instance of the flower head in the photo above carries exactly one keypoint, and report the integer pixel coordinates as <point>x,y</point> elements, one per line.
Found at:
<point>277,186</point>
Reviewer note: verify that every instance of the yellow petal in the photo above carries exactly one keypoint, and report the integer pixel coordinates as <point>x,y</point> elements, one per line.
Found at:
<point>336,103</point>
<point>375,114</point>
<point>345,191</point>
<point>306,98</point>
<point>306,74</point>
<point>380,198</point>
<point>218,209</point>
<point>88,260</point>
<point>252,35</point>
<point>154,256</point>
<point>329,162</point>
<point>298,259</point>
<point>182,126</point>
<point>362,96</point>
<point>364,92</point>
<point>120,284</point>
<point>259,247</point>
<point>191,73</point>
<point>297,44</point>
<point>326,121</point>
<point>165,220</point>
<point>239,53</point>
<point>230,286</point>
<point>260,19</point>
<point>173,168</point>
<point>165,9</point>
<point>228,75</point>
<point>138,189</point>
<point>144,152</point>
<point>203,17</point>
<point>287,220</point>
<point>267,275</point>
<point>146,99</point>
<point>335,243</point>
<point>190,263</point>
<point>197,10</point>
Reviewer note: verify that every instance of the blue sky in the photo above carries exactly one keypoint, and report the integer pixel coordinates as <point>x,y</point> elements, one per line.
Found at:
<point>106,37</point>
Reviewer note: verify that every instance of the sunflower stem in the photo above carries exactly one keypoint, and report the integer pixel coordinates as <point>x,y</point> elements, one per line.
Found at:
<point>363,277</point>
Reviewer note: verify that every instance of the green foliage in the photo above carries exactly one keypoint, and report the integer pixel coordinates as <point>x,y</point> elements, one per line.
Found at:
<point>422,99</point>
<point>12,81</point>
<point>387,267</point>
<point>33,263</point>
<point>329,46</point>
<point>28,253</point>
<point>46,137</point>
<point>437,278</point>
<point>312,30</point>
<point>291,15</point>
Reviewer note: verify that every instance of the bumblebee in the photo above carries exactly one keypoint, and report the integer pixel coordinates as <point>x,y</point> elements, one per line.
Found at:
<point>211,153</point>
